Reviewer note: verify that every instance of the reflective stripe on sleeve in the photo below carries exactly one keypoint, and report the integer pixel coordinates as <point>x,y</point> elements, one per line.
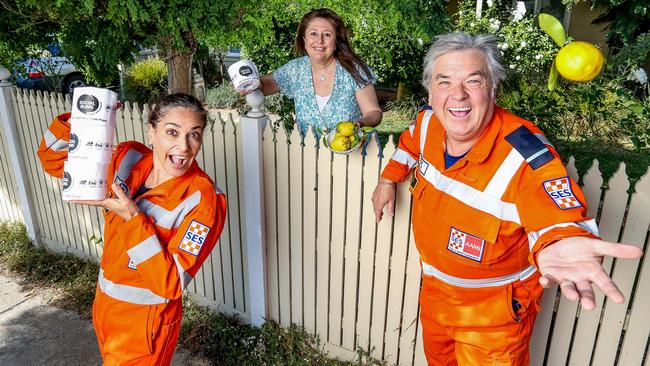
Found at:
<point>145,250</point>
<point>134,295</point>
<point>588,225</point>
<point>432,271</point>
<point>403,157</point>
<point>184,277</point>
<point>53,143</point>
<point>128,161</point>
<point>468,195</point>
<point>169,219</point>
<point>412,129</point>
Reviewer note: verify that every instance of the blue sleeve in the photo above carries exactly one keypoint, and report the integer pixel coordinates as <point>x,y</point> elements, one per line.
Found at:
<point>372,79</point>
<point>285,77</point>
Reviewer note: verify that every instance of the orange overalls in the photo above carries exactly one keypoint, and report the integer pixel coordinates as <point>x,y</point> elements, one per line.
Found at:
<point>478,227</point>
<point>150,259</point>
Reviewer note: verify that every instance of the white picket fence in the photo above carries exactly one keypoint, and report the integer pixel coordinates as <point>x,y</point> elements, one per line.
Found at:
<point>329,267</point>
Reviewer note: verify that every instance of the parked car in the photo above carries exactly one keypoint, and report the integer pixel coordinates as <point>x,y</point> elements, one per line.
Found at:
<point>231,56</point>
<point>53,73</point>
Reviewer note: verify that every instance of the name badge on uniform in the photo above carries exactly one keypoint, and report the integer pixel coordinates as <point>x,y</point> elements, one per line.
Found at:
<point>466,245</point>
<point>194,238</point>
<point>423,165</point>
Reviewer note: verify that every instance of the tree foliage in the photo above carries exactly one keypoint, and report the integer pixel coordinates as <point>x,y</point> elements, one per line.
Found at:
<point>391,36</point>
<point>97,35</point>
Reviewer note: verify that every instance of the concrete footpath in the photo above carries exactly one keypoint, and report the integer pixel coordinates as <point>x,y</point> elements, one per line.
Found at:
<point>34,333</point>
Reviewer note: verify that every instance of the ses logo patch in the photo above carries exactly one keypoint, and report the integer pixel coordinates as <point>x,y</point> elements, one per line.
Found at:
<point>560,191</point>
<point>194,238</point>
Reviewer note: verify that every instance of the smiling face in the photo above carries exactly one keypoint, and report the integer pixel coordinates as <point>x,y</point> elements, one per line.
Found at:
<point>176,140</point>
<point>320,39</point>
<point>462,96</point>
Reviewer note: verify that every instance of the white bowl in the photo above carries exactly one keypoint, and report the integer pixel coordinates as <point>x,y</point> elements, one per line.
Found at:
<point>327,140</point>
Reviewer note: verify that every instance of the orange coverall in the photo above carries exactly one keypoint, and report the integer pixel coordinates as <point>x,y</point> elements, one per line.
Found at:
<point>478,227</point>
<point>150,259</point>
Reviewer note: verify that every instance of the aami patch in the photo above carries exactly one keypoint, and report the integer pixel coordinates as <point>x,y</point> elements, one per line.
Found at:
<point>560,191</point>
<point>466,245</point>
<point>194,238</point>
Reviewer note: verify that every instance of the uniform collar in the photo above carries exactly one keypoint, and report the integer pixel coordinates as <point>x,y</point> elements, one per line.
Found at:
<point>173,188</point>
<point>481,149</point>
<point>483,146</point>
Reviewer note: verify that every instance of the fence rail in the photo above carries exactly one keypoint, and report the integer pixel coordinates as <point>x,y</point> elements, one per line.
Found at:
<point>329,267</point>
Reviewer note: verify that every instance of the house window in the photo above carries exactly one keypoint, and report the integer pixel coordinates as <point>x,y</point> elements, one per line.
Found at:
<point>552,7</point>
<point>532,8</point>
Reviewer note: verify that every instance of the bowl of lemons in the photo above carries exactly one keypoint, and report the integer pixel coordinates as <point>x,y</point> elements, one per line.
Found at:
<point>345,138</point>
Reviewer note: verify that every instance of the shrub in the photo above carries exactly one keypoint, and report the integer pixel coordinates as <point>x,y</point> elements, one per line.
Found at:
<point>526,49</point>
<point>603,110</point>
<point>145,81</point>
<point>224,97</point>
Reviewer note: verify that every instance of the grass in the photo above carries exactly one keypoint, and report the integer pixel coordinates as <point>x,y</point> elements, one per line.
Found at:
<point>221,339</point>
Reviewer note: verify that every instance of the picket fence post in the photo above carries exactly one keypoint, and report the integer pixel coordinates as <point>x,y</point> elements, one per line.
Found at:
<point>8,121</point>
<point>252,127</point>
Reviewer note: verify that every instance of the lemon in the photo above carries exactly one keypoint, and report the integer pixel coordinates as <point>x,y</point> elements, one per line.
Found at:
<point>340,143</point>
<point>345,128</point>
<point>579,61</point>
<point>353,140</point>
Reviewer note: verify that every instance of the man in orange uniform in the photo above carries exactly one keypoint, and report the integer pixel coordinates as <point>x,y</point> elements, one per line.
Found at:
<point>495,214</point>
<point>162,225</point>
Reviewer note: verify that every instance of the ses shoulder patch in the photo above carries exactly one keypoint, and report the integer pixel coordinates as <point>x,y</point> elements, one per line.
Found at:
<point>560,191</point>
<point>194,238</point>
<point>530,147</point>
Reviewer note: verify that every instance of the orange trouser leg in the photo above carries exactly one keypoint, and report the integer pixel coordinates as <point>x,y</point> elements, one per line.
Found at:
<point>478,326</point>
<point>130,334</point>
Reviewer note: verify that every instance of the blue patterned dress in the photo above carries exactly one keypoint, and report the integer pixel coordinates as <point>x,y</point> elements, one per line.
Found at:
<point>295,81</point>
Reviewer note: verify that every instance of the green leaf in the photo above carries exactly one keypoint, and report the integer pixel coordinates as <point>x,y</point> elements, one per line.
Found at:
<point>637,108</point>
<point>553,28</point>
<point>552,77</point>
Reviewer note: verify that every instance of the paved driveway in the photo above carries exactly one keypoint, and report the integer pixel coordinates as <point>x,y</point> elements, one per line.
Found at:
<point>33,333</point>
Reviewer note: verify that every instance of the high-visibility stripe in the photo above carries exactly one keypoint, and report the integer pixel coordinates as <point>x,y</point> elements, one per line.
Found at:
<point>412,129</point>
<point>53,143</point>
<point>184,277</point>
<point>543,139</point>
<point>166,218</point>
<point>432,271</point>
<point>424,126</point>
<point>468,195</point>
<point>128,161</point>
<point>501,179</point>
<point>134,295</point>
<point>403,157</point>
<point>588,225</point>
<point>145,250</point>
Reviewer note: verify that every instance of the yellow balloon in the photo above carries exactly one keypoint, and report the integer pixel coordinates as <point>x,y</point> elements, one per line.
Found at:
<point>579,61</point>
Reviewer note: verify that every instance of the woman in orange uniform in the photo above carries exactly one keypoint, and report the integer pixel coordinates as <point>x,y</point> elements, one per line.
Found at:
<point>163,216</point>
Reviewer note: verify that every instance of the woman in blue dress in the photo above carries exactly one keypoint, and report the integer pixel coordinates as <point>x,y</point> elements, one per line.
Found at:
<point>329,83</point>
